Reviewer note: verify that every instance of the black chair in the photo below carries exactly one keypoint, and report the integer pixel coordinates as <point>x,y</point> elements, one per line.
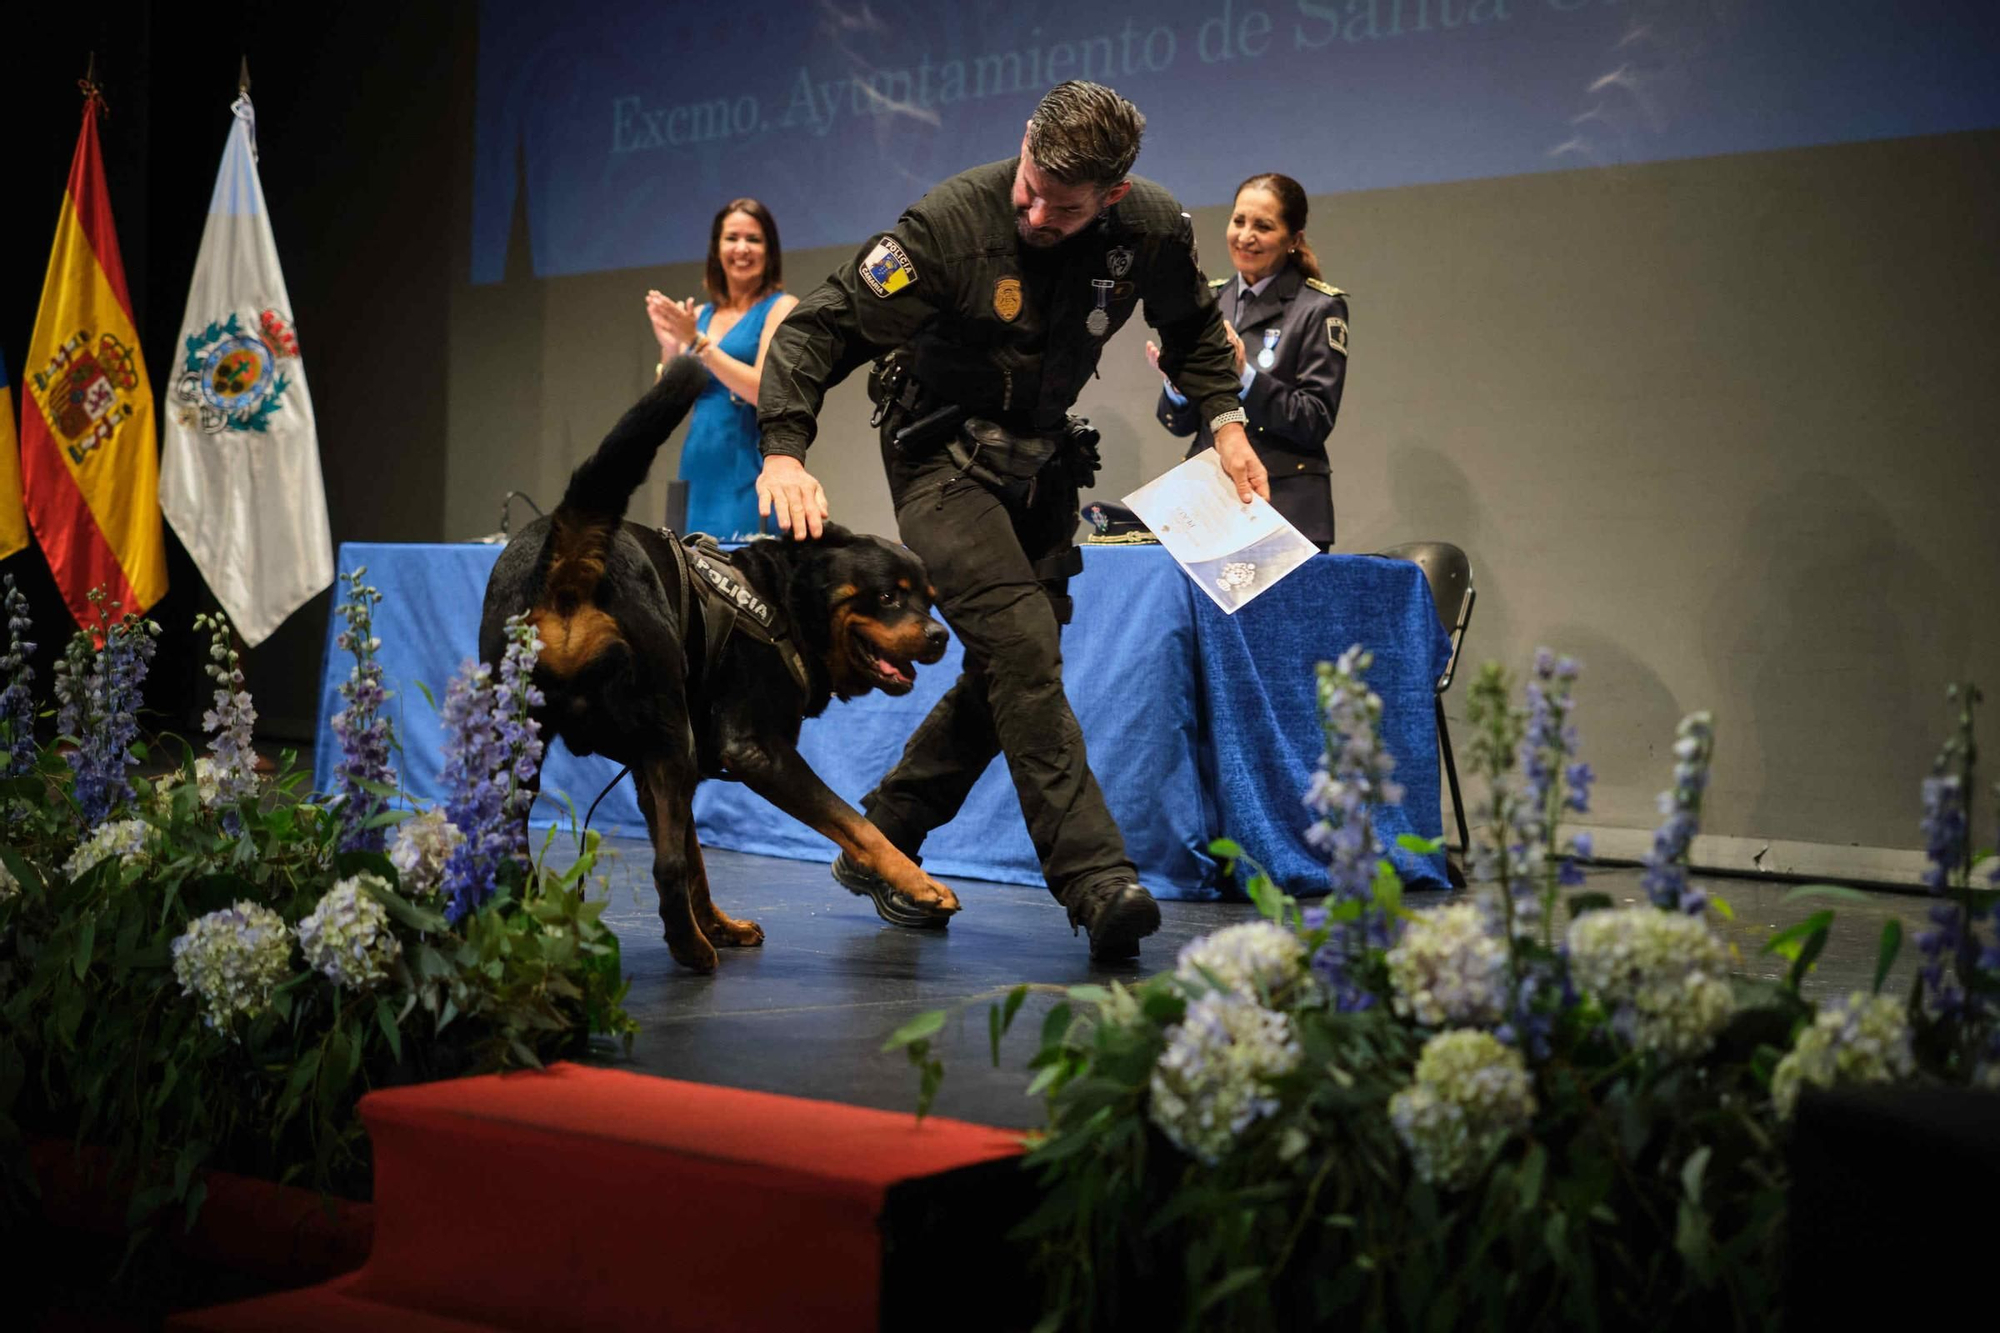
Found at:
<point>1449,573</point>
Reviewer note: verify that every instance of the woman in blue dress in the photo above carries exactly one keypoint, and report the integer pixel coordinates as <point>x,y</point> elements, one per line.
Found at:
<point>729,335</point>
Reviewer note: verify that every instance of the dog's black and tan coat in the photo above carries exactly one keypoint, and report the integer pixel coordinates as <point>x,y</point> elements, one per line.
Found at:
<point>626,671</point>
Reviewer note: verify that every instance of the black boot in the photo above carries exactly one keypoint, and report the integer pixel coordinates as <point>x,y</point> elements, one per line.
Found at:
<point>892,905</point>
<point>1118,913</point>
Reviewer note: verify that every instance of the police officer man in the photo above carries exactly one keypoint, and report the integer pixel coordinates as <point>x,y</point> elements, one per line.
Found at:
<point>986,309</point>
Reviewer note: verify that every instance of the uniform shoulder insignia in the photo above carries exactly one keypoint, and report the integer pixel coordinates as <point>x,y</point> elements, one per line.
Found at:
<point>887,268</point>
<point>1326,288</point>
<point>1217,282</point>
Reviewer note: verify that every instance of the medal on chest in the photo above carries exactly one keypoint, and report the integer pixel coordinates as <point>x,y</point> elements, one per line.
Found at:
<point>1269,356</point>
<point>1098,321</point>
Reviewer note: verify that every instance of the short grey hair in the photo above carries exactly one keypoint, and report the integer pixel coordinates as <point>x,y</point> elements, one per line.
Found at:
<point>1085,134</point>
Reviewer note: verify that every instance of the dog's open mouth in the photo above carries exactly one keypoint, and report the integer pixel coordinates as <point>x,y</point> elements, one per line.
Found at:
<point>887,672</point>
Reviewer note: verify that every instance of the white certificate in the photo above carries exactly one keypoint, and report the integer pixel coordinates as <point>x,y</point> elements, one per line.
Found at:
<point>1232,550</point>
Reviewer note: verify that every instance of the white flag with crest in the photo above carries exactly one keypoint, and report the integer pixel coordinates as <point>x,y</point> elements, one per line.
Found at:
<point>239,472</point>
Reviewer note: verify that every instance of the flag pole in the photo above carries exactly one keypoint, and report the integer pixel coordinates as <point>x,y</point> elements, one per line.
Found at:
<point>93,96</point>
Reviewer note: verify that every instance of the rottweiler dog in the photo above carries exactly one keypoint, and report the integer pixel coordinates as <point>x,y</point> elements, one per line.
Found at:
<point>628,669</point>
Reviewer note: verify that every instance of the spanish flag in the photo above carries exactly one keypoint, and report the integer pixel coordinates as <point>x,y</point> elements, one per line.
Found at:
<point>88,450</point>
<point>13,518</point>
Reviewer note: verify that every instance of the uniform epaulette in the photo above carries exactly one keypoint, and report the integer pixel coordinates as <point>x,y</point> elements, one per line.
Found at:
<point>1326,287</point>
<point>1218,282</point>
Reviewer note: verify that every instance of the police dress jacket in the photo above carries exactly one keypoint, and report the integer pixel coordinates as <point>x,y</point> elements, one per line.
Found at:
<point>1291,403</point>
<point>1002,329</point>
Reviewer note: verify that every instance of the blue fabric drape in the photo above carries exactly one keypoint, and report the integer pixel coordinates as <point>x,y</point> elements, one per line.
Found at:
<point>1199,724</point>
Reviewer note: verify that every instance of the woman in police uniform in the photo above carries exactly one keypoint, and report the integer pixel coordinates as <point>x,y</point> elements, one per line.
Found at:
<point>1289,332</point>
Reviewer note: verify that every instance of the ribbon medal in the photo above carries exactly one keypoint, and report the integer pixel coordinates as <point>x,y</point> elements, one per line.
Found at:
<point>1098,321</point>
<point>1269,356</point>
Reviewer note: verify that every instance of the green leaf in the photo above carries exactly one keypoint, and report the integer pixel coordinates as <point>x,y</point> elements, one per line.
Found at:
<point>385,1017</point>
<point>1012,1007</point>
<point>1410,842</point>
<point>1532,1168</point>
<point>1809,951</point>
<point>1269,900</point>
<point>1232,1283</point>
<point>1885,958</point>
<point>993,1032</point>
<point>1786,943</point>
<point>919,1028</point>
<point>1581,903</point>
<point>1691,1172</point>
<point>86,943</point>
<point>1088,994</point>
<point>1838,892</point>
<point>1056,1025</point>
<point>1388,888</point>
<point>1225,849</point>
<point>1722,907</point>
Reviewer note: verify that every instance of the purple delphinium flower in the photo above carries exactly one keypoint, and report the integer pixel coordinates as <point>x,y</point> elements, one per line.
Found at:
<point>1553,781</point>
<point>98,684</point>
<point>17,702</point>
<point>1949,946</point>
<point>1353,776</point>
<point>366,735</point>
<point>1666,878</point>
<point>230,722</point>
<point>492,750</point>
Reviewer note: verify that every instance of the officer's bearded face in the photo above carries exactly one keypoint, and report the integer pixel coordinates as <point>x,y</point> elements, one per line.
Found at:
<point>1047,212</point>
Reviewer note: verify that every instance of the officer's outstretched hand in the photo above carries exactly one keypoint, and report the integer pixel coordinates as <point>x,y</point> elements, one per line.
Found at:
<point>1240,461</point>
<point>786,489</point>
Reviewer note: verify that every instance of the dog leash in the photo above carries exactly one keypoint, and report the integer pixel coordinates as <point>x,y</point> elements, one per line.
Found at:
<point>594,804</point>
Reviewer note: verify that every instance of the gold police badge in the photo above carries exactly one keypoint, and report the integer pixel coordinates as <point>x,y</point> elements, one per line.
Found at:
<point>1007,299</point>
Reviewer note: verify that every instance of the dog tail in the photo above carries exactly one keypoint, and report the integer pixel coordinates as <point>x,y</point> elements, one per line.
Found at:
<point>602,486</point>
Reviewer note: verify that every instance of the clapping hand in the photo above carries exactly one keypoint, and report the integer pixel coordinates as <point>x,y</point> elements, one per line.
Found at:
<point>673,323</point>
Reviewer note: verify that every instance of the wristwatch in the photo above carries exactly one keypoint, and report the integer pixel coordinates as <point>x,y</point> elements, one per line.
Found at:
<point>1235,416</point>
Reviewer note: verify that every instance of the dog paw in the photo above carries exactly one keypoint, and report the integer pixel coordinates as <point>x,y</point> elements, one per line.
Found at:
<point>732,933</point>
<point>935,896</point>
<point>692,952</point>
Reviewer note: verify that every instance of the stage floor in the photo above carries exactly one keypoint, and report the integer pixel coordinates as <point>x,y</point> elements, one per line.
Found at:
<point>808,1012</point>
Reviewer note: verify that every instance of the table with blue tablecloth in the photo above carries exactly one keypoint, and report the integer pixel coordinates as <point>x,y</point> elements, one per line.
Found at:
<point>1200,725</point>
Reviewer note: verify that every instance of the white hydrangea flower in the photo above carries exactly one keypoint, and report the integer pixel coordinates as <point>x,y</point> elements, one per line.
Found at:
<point>1258,960</point>
<point>232,960</point>
<point>126,839</point>
<point>421,848</point>
<point>1450,968</point>
<point>1214,1079</point>
<point>1663,977</point>
<point>1471,1093</point>
<point>1862,1039</point>
<point>347,935</point>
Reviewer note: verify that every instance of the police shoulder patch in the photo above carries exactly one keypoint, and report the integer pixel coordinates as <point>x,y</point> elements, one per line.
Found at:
<point>1336,334</point>
<point>887,268</point>
<point>1326,288</point>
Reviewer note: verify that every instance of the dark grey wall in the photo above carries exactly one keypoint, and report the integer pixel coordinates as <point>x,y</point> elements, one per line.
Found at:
<point>1719,428</point>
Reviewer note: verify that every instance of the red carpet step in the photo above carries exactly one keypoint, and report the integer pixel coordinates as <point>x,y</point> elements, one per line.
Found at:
<point>584,1198</point>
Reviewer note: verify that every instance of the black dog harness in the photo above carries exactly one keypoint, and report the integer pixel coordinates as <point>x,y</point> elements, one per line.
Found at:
<point>727,603</point>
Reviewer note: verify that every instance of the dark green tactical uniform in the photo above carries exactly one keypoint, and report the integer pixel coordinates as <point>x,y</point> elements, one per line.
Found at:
<point>994,329</point>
